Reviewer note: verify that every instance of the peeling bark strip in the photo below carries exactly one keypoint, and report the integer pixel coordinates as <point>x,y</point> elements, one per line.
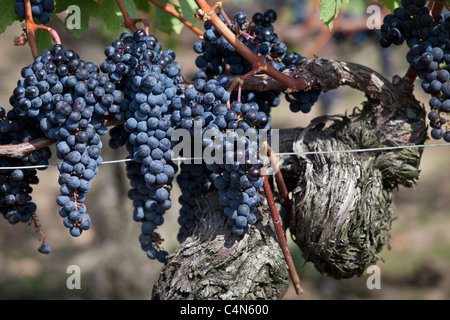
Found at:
<point>342,202</point>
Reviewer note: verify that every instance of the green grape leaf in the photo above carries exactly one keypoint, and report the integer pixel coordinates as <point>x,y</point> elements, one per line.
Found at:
<point>143,5</point>
<point>166,22</point>
<point>391,4</point>
<point>78,14</point>
<point>112,17</point>
<point>188,8</point>
<point>80,26</point>
<point>7,15</point>
<point>43,40</point>
<point>329,10</point>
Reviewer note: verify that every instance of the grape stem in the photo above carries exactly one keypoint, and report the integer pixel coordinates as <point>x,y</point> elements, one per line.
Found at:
<point>240,80</point>
<point>128,23</point>
<point>31,28</point>
<point>224,14</point>
<point>170,9</point>
<point>144,22</point>
<point>280,234</point>
<point>280,181</point>
<point>38,227</point>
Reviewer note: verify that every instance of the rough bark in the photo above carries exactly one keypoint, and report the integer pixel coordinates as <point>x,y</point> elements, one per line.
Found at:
<point>213,263</point>
<point>342,201</point>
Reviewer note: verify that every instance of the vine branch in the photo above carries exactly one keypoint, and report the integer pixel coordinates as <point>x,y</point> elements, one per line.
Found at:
<point>31,27</point>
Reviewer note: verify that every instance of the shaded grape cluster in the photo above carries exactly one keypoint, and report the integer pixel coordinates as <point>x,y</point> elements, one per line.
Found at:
<point>195,181</point>
<point>238,176</point>
<point>428,39</point>
<point>40,9</point>
<point>16,203</point>
<point>229,132</point>
<point>218,58</point>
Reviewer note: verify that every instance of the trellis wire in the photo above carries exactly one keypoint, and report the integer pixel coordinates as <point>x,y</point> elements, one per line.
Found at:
<point>276,154</point>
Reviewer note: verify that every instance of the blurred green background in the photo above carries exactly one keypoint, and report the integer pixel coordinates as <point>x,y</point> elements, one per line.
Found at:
<point>416,266</point>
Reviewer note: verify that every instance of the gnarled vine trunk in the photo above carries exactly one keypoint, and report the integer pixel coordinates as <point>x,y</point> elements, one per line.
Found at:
<point>342,201</point>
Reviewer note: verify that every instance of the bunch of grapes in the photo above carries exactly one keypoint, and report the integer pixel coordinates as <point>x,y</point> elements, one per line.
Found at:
<point>15,183</point>
<point>149,79</point>
<point>65,98</point>
<point>218,59</point>
<point>16,180</point>
<point>227,151</point>
<point>429,55</point>
<point>238,176</point>
<point>195,181</point>
<point>41,9</point>
<point>69,99</point>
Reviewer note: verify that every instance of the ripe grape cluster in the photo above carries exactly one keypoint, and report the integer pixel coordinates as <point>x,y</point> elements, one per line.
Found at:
<point>219,59</point>
<point>16,180</point>
<point>149,79</point>
<point>40,9</point>
<point>15,183</point>
<point>428,39</point>
<point>227,151</point>
<point>69,99</point>
<point>238,176</point>
<point>195,181</point>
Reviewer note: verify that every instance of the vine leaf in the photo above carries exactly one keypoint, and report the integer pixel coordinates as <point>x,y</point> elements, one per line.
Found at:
<point>391,4</point>
<point>87,10</point>
<point>142,5</point>
<point>111,15</point>
<point>188,8</point>
<point>329,10</point>
<point>166,22</point>
<point>7,15</point>
<point>43,40</point>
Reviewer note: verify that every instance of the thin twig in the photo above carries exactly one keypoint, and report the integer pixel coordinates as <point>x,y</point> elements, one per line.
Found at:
<point>129,23</point>
<point>322,39</point>
<point>280,181</point>
<point>144,22</point>
<point>280,234</point>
